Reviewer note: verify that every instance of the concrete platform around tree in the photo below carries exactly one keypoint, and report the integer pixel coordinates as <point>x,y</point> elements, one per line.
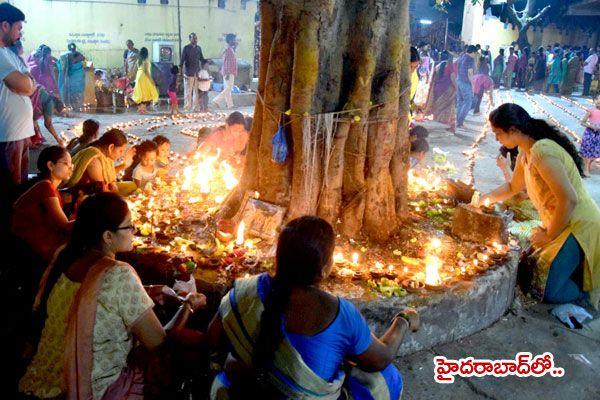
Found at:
<point>464,309</point>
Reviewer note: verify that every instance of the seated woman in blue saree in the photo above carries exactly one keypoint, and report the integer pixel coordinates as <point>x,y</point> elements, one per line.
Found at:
<point>71,77</point>
<point>288,339</point>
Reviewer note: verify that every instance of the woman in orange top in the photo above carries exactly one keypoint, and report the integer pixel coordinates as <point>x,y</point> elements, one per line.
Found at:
<point>38,217</point>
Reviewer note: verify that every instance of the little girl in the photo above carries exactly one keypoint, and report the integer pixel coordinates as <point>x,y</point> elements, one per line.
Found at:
<point>145,171</point>
<point>163,150</point>
<point>590,145</point>
<point>172,92</point>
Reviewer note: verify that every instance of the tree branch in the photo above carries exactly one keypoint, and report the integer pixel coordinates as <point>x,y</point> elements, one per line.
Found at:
<point>525,20</point>
<point>540,15</point>
<point>512,14</point>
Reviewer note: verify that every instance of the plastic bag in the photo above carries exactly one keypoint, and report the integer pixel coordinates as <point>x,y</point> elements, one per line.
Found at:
<point>566,313</point>
<point>183,288</point>
<point>280,146</point>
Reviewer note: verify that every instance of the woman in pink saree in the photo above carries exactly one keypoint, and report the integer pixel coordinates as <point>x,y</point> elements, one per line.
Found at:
<point>441,101</point>
<point>41,65</point>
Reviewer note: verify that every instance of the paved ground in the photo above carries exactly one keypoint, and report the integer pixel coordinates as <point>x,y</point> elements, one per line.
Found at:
<point>526,328</point>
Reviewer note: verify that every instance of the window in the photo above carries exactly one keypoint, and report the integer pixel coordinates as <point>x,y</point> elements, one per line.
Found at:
<point>164,1</point>
<point>221,4</point>
<point>243,4</point>
<point>141,1</point>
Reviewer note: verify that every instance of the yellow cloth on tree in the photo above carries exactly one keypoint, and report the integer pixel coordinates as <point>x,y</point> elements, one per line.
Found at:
<point>584,224</point>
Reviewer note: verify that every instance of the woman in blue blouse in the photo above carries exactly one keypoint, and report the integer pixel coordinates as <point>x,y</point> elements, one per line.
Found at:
<point>287,338</point>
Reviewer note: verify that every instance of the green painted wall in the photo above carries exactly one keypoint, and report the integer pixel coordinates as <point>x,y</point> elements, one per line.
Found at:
<point>101,27</point>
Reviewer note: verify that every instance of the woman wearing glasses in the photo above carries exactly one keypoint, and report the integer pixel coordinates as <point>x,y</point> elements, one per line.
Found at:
<point>96,308</point>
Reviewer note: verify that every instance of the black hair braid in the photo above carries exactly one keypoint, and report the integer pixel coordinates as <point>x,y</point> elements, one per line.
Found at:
<point>304,248</point>
<point>540,129</point>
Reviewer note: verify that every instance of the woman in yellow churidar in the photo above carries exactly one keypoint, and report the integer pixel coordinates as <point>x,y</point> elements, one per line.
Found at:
<point>567,244</point>
<point>145,91</point>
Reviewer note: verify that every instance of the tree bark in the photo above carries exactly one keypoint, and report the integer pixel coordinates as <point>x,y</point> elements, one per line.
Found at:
<point>383,135</point>
<point>304,81</point>
<point>324,56</point>
<point>400,164</point>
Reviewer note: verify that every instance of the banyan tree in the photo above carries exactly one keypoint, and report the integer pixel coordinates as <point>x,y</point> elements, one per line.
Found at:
<point>334,74</point>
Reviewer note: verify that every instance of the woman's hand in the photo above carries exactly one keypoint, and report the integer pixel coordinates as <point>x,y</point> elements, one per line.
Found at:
<point>197,301</point>
<point>502,162</point>
<point>539,238</point>
<point>128,157</point>
<point>160,293</point>
<point>412,317</point>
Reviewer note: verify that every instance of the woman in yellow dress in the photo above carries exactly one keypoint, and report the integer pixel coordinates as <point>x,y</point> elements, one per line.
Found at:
<point>567,244</point>
<point>145,91</point>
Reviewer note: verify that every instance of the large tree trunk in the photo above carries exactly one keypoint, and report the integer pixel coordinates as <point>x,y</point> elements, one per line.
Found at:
<point>320,57</point>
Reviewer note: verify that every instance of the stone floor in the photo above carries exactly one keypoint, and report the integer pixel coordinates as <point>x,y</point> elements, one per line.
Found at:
<point>524,328</point>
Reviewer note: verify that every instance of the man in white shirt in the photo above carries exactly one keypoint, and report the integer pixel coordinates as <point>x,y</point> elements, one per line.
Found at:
<point>589,67</point>
<point>16,112</point>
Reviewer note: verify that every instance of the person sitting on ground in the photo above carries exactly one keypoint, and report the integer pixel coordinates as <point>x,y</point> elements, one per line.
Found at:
<point>230,140</point>
<point>143,170</point>
<point>418,132</point>
<point>203,133</point>
<point>89,133</point>
<point>567,244</point>
<point>163,151</point>
<point>96,310</point>
<point>94,167</point>
<point>418,149</point>
<point>38,217</point>
<point>248,121</point>
<point>288,350</point>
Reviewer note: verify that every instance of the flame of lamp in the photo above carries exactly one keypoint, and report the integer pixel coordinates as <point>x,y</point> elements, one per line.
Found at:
<point>240,234</point>
<point>432,267</point>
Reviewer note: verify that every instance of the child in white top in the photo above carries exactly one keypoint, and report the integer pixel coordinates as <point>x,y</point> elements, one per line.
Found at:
<point>145,171</point>
<point>204,81</point>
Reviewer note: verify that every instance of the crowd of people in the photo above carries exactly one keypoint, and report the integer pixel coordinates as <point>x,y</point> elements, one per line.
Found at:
<point>90,327</point>
<point>458,80</point>
<point>457,83</point>
<point>70,80</point>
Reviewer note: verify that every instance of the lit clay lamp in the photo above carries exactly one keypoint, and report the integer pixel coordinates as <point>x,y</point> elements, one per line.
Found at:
<point>499,253</point>
<point>381,272</point>
<point>225,230</point>
<point>412,285</point>
<point>487,207</point>
<point>433,281</point>
<point>480,263</point>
